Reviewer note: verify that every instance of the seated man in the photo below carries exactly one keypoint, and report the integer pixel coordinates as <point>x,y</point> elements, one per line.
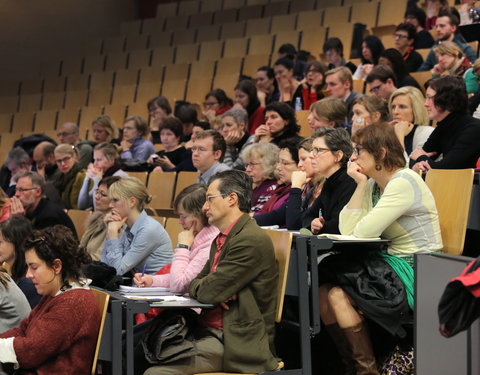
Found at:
<point>404,37</point>
<point>17,162</point>
<point>44,158</point>
<point>240,277</point>
<point>29,200</point>
<point>456,134</point>
<point>208,152</point>
<point>382,82</point>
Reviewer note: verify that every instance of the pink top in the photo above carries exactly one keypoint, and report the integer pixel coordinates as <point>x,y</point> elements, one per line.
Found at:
<point>187,264</point>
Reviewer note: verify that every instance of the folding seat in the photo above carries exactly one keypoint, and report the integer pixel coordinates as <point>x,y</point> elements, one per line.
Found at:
<point>139,59</point>
<point>87,116</point>
<point>389,14</point>
<point>22,122</point>
<point>131,28</point>
<point>184,36</point>
<point>53,100</point>
<point>233,30</point>
<point>116,60</point>
<point>301,6</point>
<point>176,71</point>
<point>228,67</point>
<point>336,14</point>
<point>161,39</point>
<point>283,37</point>
<point>343,31</point>
<point>123,94</point>
<point>162,56</point>
<point>277,8</point>
<point>45,120</point>
<point>54,84</point>
<point>92,47</point>
<point>257,26</point>
<point>235,4</point>
<point>75,99</point>
<point>224,16</point>
<point>257,2</point>
<point>252,62</point>
<point>313,39</point>
<point>100,80</point>
<point>151,75</point>
<point>165,10</point>
<point>210,5</point>
<point>136,109</point>
<point>113,44</point>
<point>72,65</point>
<point>202,69</point>
<point>117,112</point>
<point>9,104</point>
<point>226,82</point>
<point>250,12</point>
<point>201,20</point>
<point>174,90</point>
<point>283,23</point>
<point>211,50</point>
<point>260,44</point>
<point>197,88</point>
<point>365,12</point>
<point>189,7</point>
<point>147,91</point>
<point>126,77</point>
<point>235,47</point>
<point>161,186</point>
<point>136,42</point>
<point>68,115</point>
<point>186,53</point>
<point>208,33</point>
<point>30,103</point>
<point>50,68</point>
<point>9,88</point>
<point>33,86</point>
<point>153,26</point>
<point>176,23</point>
<point>94,64</point>
<point>99,97</point>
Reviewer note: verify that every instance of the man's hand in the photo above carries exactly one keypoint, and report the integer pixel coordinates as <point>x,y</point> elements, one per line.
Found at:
<point>224,304</point>
<point>16,207</point>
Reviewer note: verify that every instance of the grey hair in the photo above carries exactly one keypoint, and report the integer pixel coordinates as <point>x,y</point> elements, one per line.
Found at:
<point>268,155</point>
<point>240,115</point>
<point>18,156</point>
<point>238,182</point>
<point>72,126</point>
<point>37,179</point>
<point>336,139</point>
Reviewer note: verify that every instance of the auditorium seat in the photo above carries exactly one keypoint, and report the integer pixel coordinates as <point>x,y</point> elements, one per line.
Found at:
<point>76,98</point>
<point>99,97</point>
<point>201,20</point>
<point>139,59</point>
<point>301,6</point>
<point>87,115</point>
<point>174,89</point>
<point>250,12</point>
<point>312,40</point>
<point>116,60</point>
<point>310,20</point>
<point>211,5</point>
<point>260,44</point>
<point>92,47</point>
<point>201,69</point>
<point>283,37</point>
<point>123,94</point>
<point>33,86</point>
<point>176,71</point>
<point>30,102</point>
<point>277,8</point>
<point>71,65</point>
<point>22,122</point>
<point>336,14</point>
<point>54,83</point>
<point>113,44</point>
<point>131,28</point>
<point>94,64</point>
<point>68,115</point>
<point>117,112</point>
<point>9,104</point>
<point>53,100</point>
<point>283,23</point>
<point>147,91</point>
<point>233,30</point>
<point>124,77</point>
<point>167,9</point>
<point>184,36</point>
<point>136,42</point>
<point>154,26</point>
<point>197,88</point>
<point>237,4</point>
<point>188,7</point>
<point>211,50</point>
<point>229,66</point>
<point>136,109</point>
<point>78,82</point>
<point>176,23</point>
<point>253,62</point>
<point>255,27</point>
<point>186,53</point>
<point>162,56</point>
<point>45,120</point>
<point>365,12</point>
<point>391,12</point>
<point>235,47</point>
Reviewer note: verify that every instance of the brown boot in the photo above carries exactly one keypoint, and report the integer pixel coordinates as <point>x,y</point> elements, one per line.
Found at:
<point>361,347</point>
<point>343,348</point>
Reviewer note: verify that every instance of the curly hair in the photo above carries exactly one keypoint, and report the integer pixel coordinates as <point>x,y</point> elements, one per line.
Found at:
<point>58,242</point>
<point>450,94</point>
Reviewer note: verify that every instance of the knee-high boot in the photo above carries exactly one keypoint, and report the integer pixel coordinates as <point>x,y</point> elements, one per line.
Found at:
<point>343,347</point>
<point>362,353</point>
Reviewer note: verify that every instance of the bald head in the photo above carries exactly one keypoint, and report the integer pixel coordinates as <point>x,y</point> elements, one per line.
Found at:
<point>68,133</point>
<point>43,154</point>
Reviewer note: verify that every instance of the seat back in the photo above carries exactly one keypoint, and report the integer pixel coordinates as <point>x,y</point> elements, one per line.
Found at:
<point>161,186</point>
<point>185,179</point>
<point>173,228</point>
<point>142,176</point>
<point>102,301</point>
<point>453,213</point>
<point>282,243</point>
<point>79,219</point>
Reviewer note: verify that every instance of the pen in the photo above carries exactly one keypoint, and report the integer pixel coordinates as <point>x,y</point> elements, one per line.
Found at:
<point>144,268</point>
<point>320,213</point>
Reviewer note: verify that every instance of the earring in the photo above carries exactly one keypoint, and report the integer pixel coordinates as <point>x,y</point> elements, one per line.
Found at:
<point>378,167</point>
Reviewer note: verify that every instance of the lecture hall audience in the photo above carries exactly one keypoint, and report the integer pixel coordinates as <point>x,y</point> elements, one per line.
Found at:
<point>328,112</point>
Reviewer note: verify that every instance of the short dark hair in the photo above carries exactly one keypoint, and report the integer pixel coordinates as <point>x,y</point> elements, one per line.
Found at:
<point>382,73</point>
<point>173,124</point>
<point>160,102</point>
<point>218,141</point>
<point>291,144</point>
<point>15,230</point>
<point>202,124</point>
<point>335,44</point>
<point>417,13</point>
<point>380,136</point>
<point>453,19</point>
<point>58,242</point>
<point>398,64</point>
<point>409,28</point>
<point>288,49</point>
<point>109,180</point>
<point>221,96</point>
<point>268,71</point>
<point>238,182</point>
<point>286,62</point>
<point>287,113</point>
<point>186,113</point>
<point>450,93</point>
<point>192,199</point>
<point>336,139</point>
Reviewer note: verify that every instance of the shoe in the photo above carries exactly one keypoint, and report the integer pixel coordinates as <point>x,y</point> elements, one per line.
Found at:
<point>361,349</point>
<point>343,348</point>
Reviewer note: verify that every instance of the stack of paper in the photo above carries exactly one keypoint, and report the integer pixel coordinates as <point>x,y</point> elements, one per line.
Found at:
<point>152,291</point>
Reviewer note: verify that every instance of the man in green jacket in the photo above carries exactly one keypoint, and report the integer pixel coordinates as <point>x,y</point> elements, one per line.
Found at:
<point>240,278</point>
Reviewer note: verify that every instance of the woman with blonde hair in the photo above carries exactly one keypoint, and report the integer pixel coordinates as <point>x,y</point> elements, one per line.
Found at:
<point>328,112</point>
<point>368,110</point>
<point>135,241</point>
<point>104,129</point>
<point>451,60</point>
<point>409,117</point>
<point>72,175</point>
<point>105,164</point>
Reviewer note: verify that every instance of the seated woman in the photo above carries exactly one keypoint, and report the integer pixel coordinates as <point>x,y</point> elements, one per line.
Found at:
<point>143,243</point>
<point>173,152</point>
<point>70,181</point>
<point>313,84</point>
<point>193,244</point>
<point>394,59</point>
<point>216,103</point>
<point>305,188</point>
<point>333,51</point>
<point>13,233</point>
<point>368,110</point>
<point>96,228</point>
<point>158,109</point>
<point>409,117</point>
<point>290,89</point>
<point>287,163</point>
<point>4,206</point>
<point>135,144</point>
<point>451,60</point>
<point>14,306</point>
<point>105,164</point>
<point>260,160</point>
<point>393,203</point>
<point>280,124</point>
<point>328,112</point>
<point>60,334</point>
<point>246,97</point>
<point>372,47</point>
<point>233,129</point>
<point>267,89</point>
<point>104,130</point>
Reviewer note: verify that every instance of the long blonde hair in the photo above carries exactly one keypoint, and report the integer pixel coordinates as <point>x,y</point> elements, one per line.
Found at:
<point>420,115</point>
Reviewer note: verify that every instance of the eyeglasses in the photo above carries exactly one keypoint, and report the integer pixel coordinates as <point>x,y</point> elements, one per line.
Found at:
<point>22,190</point>
<point>376,88</point>
<point>209,104</point>
<point>400,36</point>
<point>64,160</point>
<point>199,149</point>
<point>210,197</point>
<point>357,149</point>
<point>251,164</point>
<point>101,193</point>
<point>319,150</point>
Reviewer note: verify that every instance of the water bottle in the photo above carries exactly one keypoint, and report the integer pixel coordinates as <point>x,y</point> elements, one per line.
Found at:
<point>298,104</point>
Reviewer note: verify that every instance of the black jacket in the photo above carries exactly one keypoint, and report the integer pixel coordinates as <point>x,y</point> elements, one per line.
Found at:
<point>48,214</point>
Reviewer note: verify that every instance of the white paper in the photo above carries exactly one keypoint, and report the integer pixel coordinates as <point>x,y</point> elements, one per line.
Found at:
<point>342,237</point>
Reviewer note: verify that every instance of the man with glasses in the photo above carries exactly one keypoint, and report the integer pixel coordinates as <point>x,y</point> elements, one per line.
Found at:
<point>382,82</point>
<point>29,200</point>
<point>208,152</point>
<point>240,279</point>
<point>404,37</point>
<point>68,133</point>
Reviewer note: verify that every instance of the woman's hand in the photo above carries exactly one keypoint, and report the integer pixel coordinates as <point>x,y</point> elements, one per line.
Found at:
<point>164,162</point>
<point>358,124</point>
<point>402,128</point>
<point>93,172</point>
<point>355,172</point>
<point>209,115</point>
<point>438,69</point>
<point>421,166</point>
<point>262,134</point>
<point>367,69</point>
<point>233,137</point>
<point>114,223</point>
<point>187,237</point>
<point>317,224</point>
<point>144,281</point>
<point>299,178</point>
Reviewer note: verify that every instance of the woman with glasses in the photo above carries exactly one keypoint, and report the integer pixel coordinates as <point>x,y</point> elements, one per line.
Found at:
<point>260,160</point>
<point>70,181</point>
<point>105,164</point>
<point>60,334</point>
<point>393,203</point>
<point>313,84</point>
<point>280,123</point>
<point>96,228</point>
<point>193,243</point>
<point>216,103</point>
<point>135,241</point>
<point>368,110</point>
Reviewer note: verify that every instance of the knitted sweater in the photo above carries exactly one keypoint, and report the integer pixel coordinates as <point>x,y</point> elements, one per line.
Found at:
<point>59,336</point>
<point>187,264</point>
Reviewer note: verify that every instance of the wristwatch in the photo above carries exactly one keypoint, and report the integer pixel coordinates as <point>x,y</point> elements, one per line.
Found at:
<point>183,246</point>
